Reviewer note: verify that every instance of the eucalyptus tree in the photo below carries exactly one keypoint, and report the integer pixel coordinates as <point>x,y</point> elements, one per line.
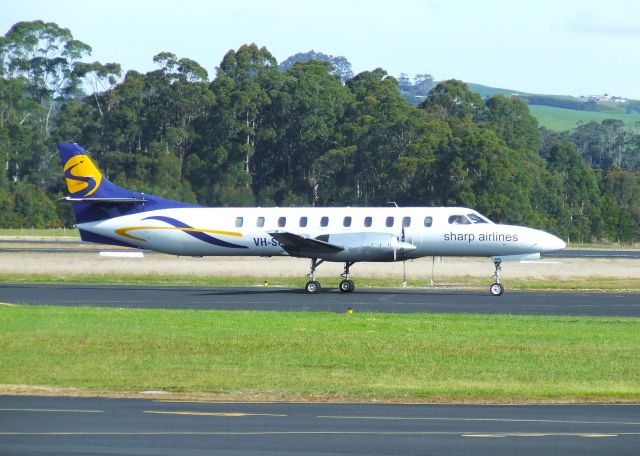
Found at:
<point>183,97</point>
<point>245,83</point>
<point>452,99</point>
<point>385,144</point>
<point>621,205</point>
<point>305,114</point>
<point>46,55</point>
<point>341,67</point>
<point>576,206</point>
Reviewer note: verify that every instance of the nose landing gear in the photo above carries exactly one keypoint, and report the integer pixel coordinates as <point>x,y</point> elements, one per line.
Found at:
<point>497,289</point>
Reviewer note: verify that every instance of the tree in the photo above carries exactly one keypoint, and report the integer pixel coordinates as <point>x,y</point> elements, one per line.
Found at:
<point>511,120</point>
<point>306,112</point>
<point>577,211</point>
<point>606,144</point>
<point>416,92</point>
<point>101,78</point>
<point>341,67</point>
<point>246,81</point>
<point>185,95</point>
<point>621,205</point>
<point>387,145</point>
<point>46,55</point>
<point>453,100</point>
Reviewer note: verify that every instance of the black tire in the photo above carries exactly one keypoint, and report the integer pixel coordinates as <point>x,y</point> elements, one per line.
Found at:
<point>312,287</point>
<point>344,286</point>
<point>496,289</point>
<point>352,286</point>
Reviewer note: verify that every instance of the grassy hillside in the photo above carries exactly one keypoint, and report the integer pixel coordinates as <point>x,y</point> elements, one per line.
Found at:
<point>559,119</point>
<point>487,91</point>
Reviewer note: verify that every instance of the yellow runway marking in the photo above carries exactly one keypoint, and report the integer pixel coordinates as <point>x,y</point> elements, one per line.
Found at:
<point>538,434</point>
<point>225,414</point>
<point>49,410</point>
<point>267,433</point>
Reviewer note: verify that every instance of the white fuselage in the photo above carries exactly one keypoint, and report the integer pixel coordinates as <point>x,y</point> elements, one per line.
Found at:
<point>242,231</point>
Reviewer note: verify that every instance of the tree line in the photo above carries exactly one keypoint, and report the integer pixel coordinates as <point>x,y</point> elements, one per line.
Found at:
<point>304,134</point>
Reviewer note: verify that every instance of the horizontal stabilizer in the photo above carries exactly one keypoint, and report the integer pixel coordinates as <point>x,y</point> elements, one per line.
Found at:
<point>69,199</point>
<point>297,245</point>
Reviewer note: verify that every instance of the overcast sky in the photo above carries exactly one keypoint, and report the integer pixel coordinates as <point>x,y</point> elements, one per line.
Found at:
<point>573,47</point>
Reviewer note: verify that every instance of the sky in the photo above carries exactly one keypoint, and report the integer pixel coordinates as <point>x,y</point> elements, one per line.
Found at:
<point>560,47</point>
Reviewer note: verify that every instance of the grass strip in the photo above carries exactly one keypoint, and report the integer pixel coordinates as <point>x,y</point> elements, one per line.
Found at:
<point>40,232</point>
<point>624,284</point>
<point>301,355</point>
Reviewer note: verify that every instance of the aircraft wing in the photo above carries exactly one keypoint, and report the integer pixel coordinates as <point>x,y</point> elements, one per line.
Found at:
<point>296,245</point>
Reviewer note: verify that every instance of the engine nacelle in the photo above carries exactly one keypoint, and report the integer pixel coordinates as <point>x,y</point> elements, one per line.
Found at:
<point>366,247</point>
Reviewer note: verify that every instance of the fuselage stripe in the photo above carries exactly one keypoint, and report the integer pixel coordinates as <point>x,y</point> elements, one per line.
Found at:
<point>125,231</point>
<point>177,225</point>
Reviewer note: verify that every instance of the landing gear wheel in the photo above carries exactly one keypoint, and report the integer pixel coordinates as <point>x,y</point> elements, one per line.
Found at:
<point>312,287</point>
<point>496,289</point>
<point>347,286</point>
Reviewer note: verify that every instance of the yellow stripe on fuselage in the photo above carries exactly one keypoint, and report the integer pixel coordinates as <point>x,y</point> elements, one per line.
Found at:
<point>125,231</point>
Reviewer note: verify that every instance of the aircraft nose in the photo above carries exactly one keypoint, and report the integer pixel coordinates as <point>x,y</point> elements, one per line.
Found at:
<point>550,243</point>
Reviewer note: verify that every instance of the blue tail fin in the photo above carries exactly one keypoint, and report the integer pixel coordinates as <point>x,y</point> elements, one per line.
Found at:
<point>94,197</point>
<point>83,178</point>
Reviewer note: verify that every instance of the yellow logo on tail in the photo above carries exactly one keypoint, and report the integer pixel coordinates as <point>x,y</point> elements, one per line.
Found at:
<point>82,175</point>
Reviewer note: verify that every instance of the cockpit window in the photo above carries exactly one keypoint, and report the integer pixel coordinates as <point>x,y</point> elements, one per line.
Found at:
<point>459,220</point>
<point>475,218</point>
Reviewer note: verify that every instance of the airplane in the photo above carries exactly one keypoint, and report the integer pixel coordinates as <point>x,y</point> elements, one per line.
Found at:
<point>109,214</point>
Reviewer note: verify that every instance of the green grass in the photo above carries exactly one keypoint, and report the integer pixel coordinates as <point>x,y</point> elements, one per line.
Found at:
<point>40,232</point>
<point>559,119</point>
<point>364,356</point>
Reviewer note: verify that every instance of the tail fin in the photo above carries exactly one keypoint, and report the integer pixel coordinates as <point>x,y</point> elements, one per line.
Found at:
<point>85,182</point>
<point>94,197</point>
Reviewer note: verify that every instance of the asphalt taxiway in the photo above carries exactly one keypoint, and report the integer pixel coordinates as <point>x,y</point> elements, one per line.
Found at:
<point>328,300</point>
<point>66,426</point>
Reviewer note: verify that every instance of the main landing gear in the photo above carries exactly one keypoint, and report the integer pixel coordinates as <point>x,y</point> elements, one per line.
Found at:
<point>346,285</point>
<point>497,289</point>
<point>313,286</point>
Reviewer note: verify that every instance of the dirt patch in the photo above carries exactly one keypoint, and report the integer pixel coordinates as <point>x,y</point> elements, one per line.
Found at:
<point>91,263</point>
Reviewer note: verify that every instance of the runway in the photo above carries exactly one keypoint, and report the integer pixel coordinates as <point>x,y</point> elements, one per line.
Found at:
<point>362,300</point>
<point>64,425</point>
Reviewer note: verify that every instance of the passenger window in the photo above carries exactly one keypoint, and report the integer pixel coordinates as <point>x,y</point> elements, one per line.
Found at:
<point>239,222</point>
<point>428,221</point>
<point>260,222</point>
<point>324,222</point>
<point>346,222</point>
<point>303,222</point>
<point>367,222</point>
<point>389,222</point>
<point>282,221</point>
<point>459,220</point>
<point>406,222</point>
